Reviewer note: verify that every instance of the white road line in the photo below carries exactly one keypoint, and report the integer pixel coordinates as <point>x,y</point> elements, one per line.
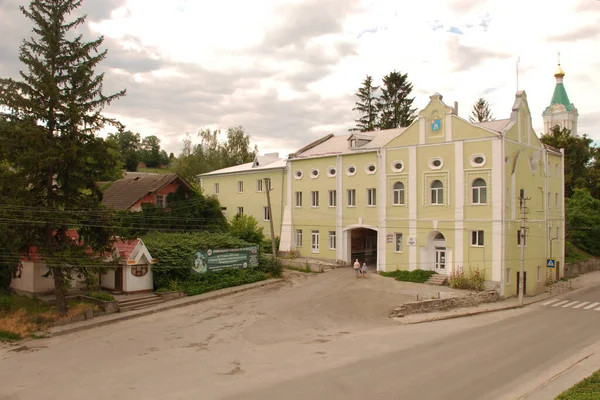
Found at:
<point>591,306</point>
<point>570,304</point>
<point>582,304</point>
<point>550,302</point>
<point>560,303</point>
<point>597,309</point>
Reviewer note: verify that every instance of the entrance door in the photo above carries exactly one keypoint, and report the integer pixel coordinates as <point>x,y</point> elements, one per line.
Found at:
<point>440,260</point>
<point>119,278</point>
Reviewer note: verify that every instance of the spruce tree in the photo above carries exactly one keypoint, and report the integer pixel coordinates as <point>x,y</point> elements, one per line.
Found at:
<point>394,104</point>
<point>54,154</point>
<point>481,112</point>
<point>366,106</point>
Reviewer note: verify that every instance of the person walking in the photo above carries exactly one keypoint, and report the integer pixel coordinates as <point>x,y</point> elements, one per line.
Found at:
<point>363,270</point>
<point>356,268</point>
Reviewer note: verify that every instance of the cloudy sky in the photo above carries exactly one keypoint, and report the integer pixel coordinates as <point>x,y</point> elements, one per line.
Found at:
<point>286,70</point>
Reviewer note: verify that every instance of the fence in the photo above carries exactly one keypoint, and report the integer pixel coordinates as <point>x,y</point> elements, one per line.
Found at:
<point>572,270</point>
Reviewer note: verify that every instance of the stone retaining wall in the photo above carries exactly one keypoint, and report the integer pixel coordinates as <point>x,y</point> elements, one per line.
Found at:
<point>425,306</point>
<point>170,295</point>
<point>572,270</point>
<point>302,263</point>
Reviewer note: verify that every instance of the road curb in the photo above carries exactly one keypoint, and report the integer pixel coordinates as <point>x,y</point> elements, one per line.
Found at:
<point>471,313</point>
<point>193,300</point>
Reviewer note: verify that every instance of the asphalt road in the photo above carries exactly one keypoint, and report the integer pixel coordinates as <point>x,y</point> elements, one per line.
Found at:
<point>286,343</point>
<point>486,362</point>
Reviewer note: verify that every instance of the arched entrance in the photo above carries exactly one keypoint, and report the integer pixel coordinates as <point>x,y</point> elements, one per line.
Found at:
<point>362,245</point>
<point>436,252</point>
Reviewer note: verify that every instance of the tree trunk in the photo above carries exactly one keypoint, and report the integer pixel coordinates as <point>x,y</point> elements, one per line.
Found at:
<point>59,291</point>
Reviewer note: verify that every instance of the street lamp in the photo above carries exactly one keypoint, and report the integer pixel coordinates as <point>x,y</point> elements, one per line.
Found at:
<point>555,264</point>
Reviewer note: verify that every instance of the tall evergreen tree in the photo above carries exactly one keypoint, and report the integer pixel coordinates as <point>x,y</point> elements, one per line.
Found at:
<point>481,112</point>
<point>54,153</point>
<point>394,104</point>
<point>366,106</point>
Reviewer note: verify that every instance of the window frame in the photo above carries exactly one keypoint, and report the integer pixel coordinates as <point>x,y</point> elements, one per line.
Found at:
<point>240,211</point>
<point>240,186</point>
<point>266,213</point>
<point>478,238</point>
<point>163,201</point>
<point>398,249</point>
<point>332,198</point>
<point>298,196</point>
<point>371,197</point>
<point>332,240</point>
<point>351,195</point>
<point>314,199</point>
<point>299,235</point>
<point>216,188</point>
<point>400,193</point>
<point>259,185</point>
<point>315,246</point>
<point>479,190</point>
<point>437,191</point>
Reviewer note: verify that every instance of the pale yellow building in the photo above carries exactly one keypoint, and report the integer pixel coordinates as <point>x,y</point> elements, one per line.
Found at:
<point>438,195</point>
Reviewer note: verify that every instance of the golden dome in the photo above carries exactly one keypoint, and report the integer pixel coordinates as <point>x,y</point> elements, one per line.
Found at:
<point>559,73</point>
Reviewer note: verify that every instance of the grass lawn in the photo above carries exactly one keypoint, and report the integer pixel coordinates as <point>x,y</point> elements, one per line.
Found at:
<point>587,389</point>
<point>574,254</point>
<point>20,316</point>
<point>417,276</point>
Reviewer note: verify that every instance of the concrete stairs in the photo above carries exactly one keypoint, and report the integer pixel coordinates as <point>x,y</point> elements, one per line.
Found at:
<point>438,280</point>
<point>137,303</point>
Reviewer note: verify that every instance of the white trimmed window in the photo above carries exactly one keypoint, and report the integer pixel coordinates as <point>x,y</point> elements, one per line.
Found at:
<point>519,238</point>
<point>477,238</point>
<point>298,237</point>
<point>437,192</point>
<point>351,170</point>
<point>556,200</point>
<point>351,197</point>
<point>331,172</point>
<point>397,166</point>
<point>558,233</point>
<point>240,186</point>
<point>372,197</point>
<point>332,198</point>
<point>161,201</point>
<point>314,199</point>
<point>398,242</point>
<point>259,185</point>
<point>269,184</point>
<point>507,276</point>
<point>479,191</point>
<point>398,194</point>
<point>240,211</point>
<point>332,240</point>
<point>216,188</point>
<point>266,213</point>
<point>370,169</point>
<point>298,199</point>
<point>314,241</point>
<point>298,174</point>
<point>314,173</point>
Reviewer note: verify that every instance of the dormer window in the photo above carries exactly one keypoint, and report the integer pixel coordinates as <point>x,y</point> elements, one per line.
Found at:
<point>356,140</point>
<point>352,143</point>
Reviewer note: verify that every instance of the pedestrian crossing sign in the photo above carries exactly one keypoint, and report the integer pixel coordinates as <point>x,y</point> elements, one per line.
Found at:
<point>550,263</point>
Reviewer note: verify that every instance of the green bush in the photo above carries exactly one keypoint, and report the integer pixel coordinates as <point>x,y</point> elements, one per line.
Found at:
<point>5,335</point>
<point>209,281</point>
<point>246,228</point>
<point>101,296</point>
<point>270,266</point>
<point>587,389</point>
<point>5,304</point>
<point>176,252</point>
<point>416,276</point>
<point>472,280</point>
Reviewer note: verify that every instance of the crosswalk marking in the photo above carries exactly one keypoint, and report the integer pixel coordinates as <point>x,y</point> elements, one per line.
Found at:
<point>550,302</point>
<point>582,304</point>
<point>591,306</point>
<point>570,304</point>
<point>597,309</point>
<point>560,303</point>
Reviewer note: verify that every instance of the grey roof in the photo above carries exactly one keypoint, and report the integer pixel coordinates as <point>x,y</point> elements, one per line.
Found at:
<point>497,125</point>
<point>125,192</point>
<point>260,163</point>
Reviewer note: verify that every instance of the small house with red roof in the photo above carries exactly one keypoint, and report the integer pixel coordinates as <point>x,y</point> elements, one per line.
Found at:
<point>133,272</point>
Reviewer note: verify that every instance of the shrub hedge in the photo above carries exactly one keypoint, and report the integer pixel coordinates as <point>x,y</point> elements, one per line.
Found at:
<point>416,276</point>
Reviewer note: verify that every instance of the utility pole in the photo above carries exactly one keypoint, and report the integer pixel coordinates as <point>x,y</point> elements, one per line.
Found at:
<point>523,234</point>
<point>268,189</point>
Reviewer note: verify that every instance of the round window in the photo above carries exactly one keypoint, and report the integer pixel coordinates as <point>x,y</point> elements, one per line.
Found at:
<point>331,171</point>
<point>352,170</point>
<point>372,168</point>
<point>436,163</point>
<point>478,160</point>
<point>314,172</point>
<point>298,174</point>
<point>398,165</point>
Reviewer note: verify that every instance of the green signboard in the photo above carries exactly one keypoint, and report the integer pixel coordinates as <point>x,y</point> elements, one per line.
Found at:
<point>218,259</point>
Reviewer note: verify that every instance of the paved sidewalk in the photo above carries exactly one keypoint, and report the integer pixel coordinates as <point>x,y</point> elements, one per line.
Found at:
<point>576,284</point>
<point>167,305</point>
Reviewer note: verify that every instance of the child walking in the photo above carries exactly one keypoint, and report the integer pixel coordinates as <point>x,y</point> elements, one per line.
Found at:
<point>363,270</point>
<point>356,268</point>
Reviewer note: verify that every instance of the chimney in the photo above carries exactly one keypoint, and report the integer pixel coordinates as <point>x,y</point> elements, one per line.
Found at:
<point>455,108</point>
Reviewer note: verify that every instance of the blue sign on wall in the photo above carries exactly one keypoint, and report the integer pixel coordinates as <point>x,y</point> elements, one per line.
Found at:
<point>550,263</point>
<point>436,125</point>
